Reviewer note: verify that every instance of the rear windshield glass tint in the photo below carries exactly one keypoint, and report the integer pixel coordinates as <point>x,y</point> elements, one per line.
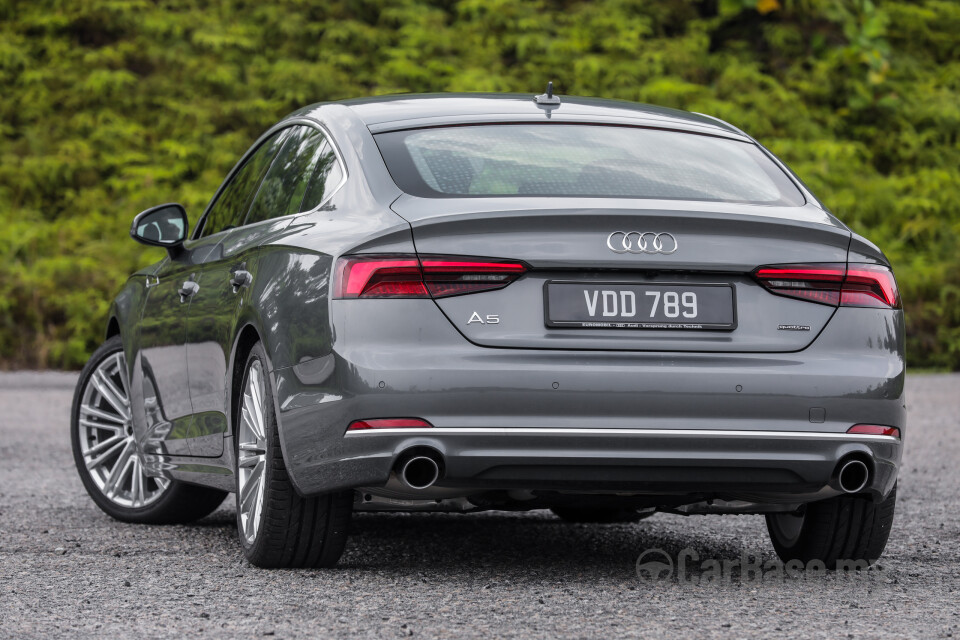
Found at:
<point>582,161</point>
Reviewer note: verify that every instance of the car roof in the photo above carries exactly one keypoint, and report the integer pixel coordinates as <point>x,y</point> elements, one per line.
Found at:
<point>412,111</point>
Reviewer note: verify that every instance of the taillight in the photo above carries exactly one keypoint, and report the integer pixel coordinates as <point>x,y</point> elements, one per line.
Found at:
<point>389,423</point>
<point>870,285</point>
<point>817,283</point>
<point>379,277</point>
<point>859,285</point>
<point>451,277</point>
<point>410,277</point>
<point>874,430</point>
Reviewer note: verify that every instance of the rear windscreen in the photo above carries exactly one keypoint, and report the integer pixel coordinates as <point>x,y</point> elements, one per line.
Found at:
<point>582,161</point>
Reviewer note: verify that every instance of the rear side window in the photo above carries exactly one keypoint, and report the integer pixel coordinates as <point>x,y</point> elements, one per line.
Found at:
<point>327,176</point>
<point>231,206</point>
<point>282,189</point>
<point>582,161</point>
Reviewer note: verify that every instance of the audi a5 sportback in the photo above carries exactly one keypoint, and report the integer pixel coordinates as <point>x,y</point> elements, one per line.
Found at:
<point>469,302</point>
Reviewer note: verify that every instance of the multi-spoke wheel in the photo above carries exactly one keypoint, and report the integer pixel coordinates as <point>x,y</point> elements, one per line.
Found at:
<point>252,454</point>
<point>107,456</point>
<point>107,445</point>
<point>277,527</point>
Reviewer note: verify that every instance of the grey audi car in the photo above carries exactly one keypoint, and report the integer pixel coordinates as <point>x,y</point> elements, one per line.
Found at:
<point>468,302</point>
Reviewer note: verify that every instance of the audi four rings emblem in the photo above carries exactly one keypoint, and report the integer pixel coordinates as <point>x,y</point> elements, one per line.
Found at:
<point>641,242</point>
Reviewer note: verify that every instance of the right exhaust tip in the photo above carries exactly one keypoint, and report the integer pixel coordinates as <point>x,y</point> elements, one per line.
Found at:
<point>420,472</point>
<point>853,476</point>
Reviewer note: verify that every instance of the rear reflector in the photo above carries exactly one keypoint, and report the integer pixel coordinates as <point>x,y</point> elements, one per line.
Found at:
<point>860,285</point>
<point>389,423</point>
<point>410,277</point>
<point>874,430</point>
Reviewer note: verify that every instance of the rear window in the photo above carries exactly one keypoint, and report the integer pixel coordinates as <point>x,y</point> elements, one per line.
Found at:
<point>582,161</point>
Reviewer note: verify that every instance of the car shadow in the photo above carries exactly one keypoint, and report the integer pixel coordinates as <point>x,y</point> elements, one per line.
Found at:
<point>512,543</point>
<point>522,545</point>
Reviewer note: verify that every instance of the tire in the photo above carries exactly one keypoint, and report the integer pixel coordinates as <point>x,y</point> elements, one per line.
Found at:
<point>100,417</point>
<point>599,515</point>
<point>844,528</point>
<point>277,527</point>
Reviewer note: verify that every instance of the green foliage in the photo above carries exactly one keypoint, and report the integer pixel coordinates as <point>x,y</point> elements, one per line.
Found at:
<point>110,106</point>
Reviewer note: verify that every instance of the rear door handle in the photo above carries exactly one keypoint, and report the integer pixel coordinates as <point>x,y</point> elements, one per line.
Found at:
<point>241,278</point>
<point>188,290</point>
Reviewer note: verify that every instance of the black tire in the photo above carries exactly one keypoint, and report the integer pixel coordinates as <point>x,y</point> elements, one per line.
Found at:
<point>845,528</point>
<point>599,515</point>
<point>179,502</point>
<point>293,531</point>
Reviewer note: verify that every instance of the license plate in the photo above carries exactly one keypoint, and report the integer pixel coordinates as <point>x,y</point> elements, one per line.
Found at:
<point>640,306</point>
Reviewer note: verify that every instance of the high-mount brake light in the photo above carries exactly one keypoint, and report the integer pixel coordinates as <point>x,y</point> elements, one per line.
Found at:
<point>859,285</point>
<point>429,276</point>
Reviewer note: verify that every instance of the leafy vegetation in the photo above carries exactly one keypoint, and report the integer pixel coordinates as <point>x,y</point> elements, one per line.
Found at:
<point>110,106</point>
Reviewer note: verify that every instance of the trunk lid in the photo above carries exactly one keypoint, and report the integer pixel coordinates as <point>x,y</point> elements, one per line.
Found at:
<point>568,240</point>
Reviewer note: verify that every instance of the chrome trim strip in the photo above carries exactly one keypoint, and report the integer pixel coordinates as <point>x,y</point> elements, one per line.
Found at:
<point>716,433</point>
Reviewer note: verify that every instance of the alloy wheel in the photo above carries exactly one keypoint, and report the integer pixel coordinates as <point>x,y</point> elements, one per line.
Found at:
<point>252,453</point>
<point>107,442</point>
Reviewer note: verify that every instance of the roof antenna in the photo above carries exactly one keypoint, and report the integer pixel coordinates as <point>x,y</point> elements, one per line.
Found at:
<point>548,98</point>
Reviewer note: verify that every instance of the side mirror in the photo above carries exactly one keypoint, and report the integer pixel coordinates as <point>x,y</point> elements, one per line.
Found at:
<point>161,226</point>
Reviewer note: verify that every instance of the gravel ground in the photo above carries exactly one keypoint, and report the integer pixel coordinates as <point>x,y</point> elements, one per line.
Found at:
<point>66,569</point>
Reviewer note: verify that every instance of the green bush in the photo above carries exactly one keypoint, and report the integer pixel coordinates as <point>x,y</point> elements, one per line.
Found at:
<point>110,106</point>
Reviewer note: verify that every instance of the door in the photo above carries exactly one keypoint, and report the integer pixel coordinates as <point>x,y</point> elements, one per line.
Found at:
<point>226,277</point>
<point>162,357</point>
<point>204,360</point>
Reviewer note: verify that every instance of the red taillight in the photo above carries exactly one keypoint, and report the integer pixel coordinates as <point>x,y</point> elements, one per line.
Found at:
<point>860,285</point>
<point>874,430</point>
<point>408,277</point>
<point>870,285</point>
<point>451,277</point>
<point>817,283</point>
<point>389,423</point>
<point>379,277</point>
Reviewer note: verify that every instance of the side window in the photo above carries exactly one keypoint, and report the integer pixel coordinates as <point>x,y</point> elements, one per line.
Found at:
<point>327,176</point>
<point>282,188</point>
<point>231,207</point>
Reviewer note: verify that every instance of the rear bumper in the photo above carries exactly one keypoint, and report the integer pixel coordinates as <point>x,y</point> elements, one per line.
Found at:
<point>754,466</point>
<point>755,426</point>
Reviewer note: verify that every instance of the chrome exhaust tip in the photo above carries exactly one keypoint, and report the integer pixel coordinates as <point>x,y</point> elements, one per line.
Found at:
<point>853,476</point>
<point>420,472</point>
